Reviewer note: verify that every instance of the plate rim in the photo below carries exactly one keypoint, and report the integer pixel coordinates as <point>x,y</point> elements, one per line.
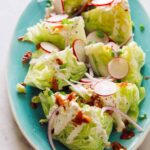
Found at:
<point>142,137</point>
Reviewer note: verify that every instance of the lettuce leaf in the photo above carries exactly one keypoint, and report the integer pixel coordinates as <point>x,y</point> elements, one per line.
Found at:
<point>61,37</point>
<point>44,70</point>
<point>113,20</point>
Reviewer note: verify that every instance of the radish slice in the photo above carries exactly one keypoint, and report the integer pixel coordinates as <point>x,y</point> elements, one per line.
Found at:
<point>101,2</point>
<point>105,88</point>
<point>86,80</point>
<point>51,120</point>
<point>58,6</point>
<point>48,47</point>
<point>57,18</point>
<point>92,37</point>
<point>118,68</point>
<point>79,50</point>
<point>104,109</point>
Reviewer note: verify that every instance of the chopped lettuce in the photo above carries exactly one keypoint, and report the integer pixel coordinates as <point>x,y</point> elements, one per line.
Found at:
<point>45,72</point>
<point>87,136</point>
<point>114,20</point>
<point>61,37</point>
<point>100,55</point>
<point>136,59</point>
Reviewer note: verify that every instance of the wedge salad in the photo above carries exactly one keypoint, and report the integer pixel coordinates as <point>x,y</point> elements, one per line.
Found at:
<point>87,67</point>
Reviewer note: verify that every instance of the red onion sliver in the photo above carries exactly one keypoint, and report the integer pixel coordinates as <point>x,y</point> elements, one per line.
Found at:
<point>104,109</point>
<point>50,127</point>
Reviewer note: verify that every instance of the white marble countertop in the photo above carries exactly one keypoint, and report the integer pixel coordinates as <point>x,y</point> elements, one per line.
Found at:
<point>10,135</point>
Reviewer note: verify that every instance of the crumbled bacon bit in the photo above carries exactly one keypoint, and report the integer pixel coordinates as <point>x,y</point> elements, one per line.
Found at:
<point>54,84</point>
<point>20,38</point>
<point>126,135</point>
<point>78,118</point>
<point>117,146</point>
<point>38,46</point>
<point>71,96</point>
<point>123,84</point>
<point>59,61</point>
<point>23,84</point>
<point>34,105</point>
<point>81,118</point>
<point>59,100</point>
<point>86,119</point>
<point>98,103</point>
<point>27,56</point>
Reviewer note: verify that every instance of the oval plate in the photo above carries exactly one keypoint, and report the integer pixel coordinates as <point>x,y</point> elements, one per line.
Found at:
<point>26,117</point>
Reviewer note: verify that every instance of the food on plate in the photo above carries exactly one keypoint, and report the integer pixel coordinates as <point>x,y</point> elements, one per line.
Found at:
<point>101,55</point>
<point>113,19</point>
<point>87,68</point>
<point>61,33</point>
<point>47,70</point>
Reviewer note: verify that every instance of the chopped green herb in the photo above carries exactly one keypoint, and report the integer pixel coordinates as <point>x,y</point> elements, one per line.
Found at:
<point>130,127</point>
<point>143,117</point>
<point>142,28</point>
<point>100,34</point>
<point>133,26</point>
<point>113,54</point>
<point>66,21</point>
<point>43,121</point>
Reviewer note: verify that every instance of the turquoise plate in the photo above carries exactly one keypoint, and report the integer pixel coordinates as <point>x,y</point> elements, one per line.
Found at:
<point>28,118</point>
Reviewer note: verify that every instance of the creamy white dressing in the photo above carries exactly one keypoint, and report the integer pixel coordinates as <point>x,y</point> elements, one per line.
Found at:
<point>65,116</point>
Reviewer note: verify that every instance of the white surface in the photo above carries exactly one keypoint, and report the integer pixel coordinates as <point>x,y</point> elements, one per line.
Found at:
<point>10,135</point>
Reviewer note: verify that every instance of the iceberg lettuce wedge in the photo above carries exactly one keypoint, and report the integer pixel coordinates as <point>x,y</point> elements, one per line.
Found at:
<point>86,136</point>
<point>45,71</point>
<point>114,20</point>
<point>61,37</point>
<point>100,55</point>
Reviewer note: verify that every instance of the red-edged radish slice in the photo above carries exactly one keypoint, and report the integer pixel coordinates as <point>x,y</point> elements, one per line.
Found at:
<point>105,88</point>
<point>101,2</point>
<point>118,68</point>
<point>57,18</point>
<point>79,50</point>
<point>48,47</point>
<point>92,37</point>
<point>86,80</point>
<point>58,6</point>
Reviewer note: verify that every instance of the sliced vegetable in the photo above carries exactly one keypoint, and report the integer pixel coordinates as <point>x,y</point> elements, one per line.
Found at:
<point>48,47</point>
<point>86,80</point>
<point>126,117</point>
<point>118,68</point>
<point>92,37</point>
<point>50,128</point>
<point>57,18</point>
<point>105,88</point>
<point>58,6</point>
<point>79,50</point>
<point>101,2</point>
